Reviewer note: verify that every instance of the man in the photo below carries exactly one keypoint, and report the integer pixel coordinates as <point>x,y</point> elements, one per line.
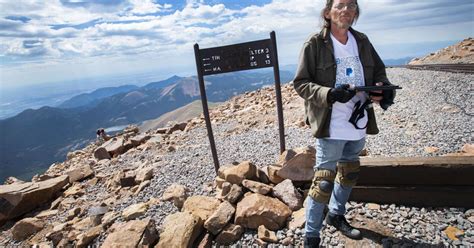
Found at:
<point>340,118</point>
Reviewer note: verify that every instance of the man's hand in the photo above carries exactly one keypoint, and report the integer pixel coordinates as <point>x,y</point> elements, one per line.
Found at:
<point>377,95</point>
<point>341,94</point>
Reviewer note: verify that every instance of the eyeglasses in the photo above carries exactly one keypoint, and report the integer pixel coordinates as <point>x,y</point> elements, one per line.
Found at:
<point>350,6</point>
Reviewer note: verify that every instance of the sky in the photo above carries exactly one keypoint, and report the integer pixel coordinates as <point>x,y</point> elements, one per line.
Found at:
<point>62,40</point>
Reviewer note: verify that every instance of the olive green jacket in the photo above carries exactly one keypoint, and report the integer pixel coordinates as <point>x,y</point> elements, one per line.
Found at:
<point>316,75</point>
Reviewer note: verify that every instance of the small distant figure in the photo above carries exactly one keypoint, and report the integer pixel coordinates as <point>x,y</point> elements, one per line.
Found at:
<point>102,136</point>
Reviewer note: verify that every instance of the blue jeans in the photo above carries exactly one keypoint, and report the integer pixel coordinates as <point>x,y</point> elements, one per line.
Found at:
<point>328,153</point>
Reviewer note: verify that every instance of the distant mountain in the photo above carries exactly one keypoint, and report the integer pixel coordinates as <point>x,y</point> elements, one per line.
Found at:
<point>162,84</point>
<point>459,53</point>
<point>181,114</point>
<point>32,140</point>
<point>91,99</point>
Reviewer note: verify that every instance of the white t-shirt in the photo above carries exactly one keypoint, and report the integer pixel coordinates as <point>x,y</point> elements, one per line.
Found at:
<point>349,71</point>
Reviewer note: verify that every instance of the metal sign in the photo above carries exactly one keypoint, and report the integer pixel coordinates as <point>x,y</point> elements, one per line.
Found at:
<point>238,57</point>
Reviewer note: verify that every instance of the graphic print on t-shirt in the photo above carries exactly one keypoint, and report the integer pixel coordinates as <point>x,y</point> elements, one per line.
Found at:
<point>349,71</point>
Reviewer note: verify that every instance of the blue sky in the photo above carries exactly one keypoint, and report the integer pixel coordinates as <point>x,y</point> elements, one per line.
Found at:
<point>62,40</point>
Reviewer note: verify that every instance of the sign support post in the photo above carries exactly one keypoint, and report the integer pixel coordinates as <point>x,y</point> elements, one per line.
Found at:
<point>276,72</point>
<point>205,107</point>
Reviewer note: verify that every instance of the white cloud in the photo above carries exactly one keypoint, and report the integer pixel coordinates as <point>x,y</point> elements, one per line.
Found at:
<point>139,29</point>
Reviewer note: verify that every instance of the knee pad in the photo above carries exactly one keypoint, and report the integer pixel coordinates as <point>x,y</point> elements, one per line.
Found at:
<point>323,183</point>
<point>348,173</point>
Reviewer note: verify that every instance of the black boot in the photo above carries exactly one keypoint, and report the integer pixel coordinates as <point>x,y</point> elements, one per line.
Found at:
<point>311,242</point>
<point>341,224</point>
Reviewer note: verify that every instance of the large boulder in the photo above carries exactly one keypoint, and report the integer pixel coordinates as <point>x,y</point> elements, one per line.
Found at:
<point>135,233</point>
<point>202,206</point>
<point>180,230</point>
<point>297,164</point>
<point>236,174</point>
<point>17,199</point>
<point>77,174</point>
<point>25,228</point>
<point>115,146</point>
<point>287,193</point>
<point>255,210</point>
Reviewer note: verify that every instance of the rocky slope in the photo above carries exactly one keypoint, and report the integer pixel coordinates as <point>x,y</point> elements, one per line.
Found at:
<point>460,53</point>
<point>154,179</point>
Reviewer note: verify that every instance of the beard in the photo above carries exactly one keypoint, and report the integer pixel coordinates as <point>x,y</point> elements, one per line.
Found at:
<point>343,25</point>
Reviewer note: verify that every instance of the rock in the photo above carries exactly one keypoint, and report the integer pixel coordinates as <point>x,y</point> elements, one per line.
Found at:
<point>176,127</point>
<point>139,139</point>
<point>219,181</point>
<point>202,206</point>
<point>230,234</point>
<point>262,175</point>
<point>287,193</point>
<point>142,185</point>
<point>272,172</point>
<point>85,238</point>
<point>133,129</point>
<point>162,130</point>
<point>171,148</point>
<point>75,190</point>
<point>180,230</point>
<point>177,193</point>
<point>297,164</point>
<point>206,241</point>
<point>47,213</point>
<point>261,243</point>
<point>143,174</point>
<point>267,235</point>
<point>134,211</point>
<point>468,148</point>
<point>298,219</point>
<point>219,219</point>
<point>236,174</point>
<point>114,146</point>
<point>287,241</point>
<point>17,199</point>
<point>452,232</point>
<point>101,153</point>
<point>78,174</point>
<point>71,214</point>
<point>127,178</point>
<point>431,149</point>
<point>25,228</point>
<point>256,187</point>
<point>231,193</point>
<point>471,219</point>
<point>134,233</point>
<point>373,206</point>
<point>255,210</point>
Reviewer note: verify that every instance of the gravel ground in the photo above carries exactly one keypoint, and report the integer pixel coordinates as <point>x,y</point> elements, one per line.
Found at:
<point>434,109</point>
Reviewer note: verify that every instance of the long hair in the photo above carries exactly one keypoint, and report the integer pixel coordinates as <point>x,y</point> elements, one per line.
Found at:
<point>326,22</point>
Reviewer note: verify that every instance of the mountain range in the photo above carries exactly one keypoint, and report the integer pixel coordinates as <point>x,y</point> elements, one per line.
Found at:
<point>33,139</point>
